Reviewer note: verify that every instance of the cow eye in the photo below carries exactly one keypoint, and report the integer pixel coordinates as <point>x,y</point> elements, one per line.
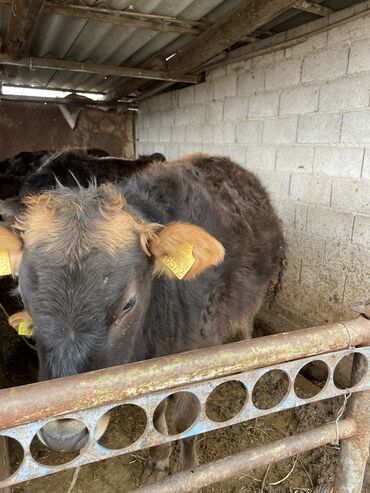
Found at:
<point>129,306</point>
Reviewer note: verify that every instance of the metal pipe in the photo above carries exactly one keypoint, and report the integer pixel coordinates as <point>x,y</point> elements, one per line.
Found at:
<point>28,403</point>
<point>234,465</point>
<point>354,451</point>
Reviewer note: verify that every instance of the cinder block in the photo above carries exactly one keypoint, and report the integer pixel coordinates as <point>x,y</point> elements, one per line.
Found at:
<point>261,157</point>
<point>199,134</point>
<point>338,161</point>
<point>345,94</point>
<point>178,134</point>
<point>214,149</point>
<point>358,28</point>
<point>351,195</point>
<point>280,130</point>
<point>251,81</point>
<point>182,116</point>
<point>361,231</point>
<point>277,184</point>
<point>197,113</point>
<point>225,87</point>
<point>294,158</point>
<point>317,129</point>
<point>309,249</point>
<point>326,64</point>
<point>329,223</point>
<point>311,44</point>
<point>165,134</point>
<point>313,189</point>
<point>143,134</point>
<point>237,67</point>
<point>215,112</point>
<point>300,216</point>
<point>359,60</point>
<point>154,119</point>
<point>190,149</point>
<point>236,153</point>
<point>284,74</point>
<point>172,152</point>
<point>299,100</point>
<point>167,118</point>
<point>264,104</point>
<point>366,166</point>
<point>356,127</point>
<point>249,132</point>
<point>203,92</point>
<point>186,96</point>
<point>224,133</point>
<point>216,73</point>
<point>235,109</point>
<point>285,209</point>
<point>153,134</point>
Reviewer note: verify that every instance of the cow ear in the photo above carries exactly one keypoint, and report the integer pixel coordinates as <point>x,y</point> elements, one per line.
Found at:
<point>10,252</point>
<point>183,251</point>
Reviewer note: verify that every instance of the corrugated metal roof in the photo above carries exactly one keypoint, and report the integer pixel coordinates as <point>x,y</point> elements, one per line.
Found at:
<point>62,37</point>
<point>78,39</point>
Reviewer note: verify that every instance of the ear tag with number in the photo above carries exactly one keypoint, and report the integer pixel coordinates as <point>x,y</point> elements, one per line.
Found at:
<point>5,265</point>
<point>25,328</point>
<point>181,261</point>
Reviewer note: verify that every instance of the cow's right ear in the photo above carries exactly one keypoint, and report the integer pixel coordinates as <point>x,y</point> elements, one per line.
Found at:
<point>10,252</point>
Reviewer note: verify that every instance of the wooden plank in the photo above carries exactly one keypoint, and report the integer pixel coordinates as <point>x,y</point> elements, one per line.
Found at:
<point>21,26</point>
<point>312,8</point>
<point>121,18</point>
<point>93,68</point>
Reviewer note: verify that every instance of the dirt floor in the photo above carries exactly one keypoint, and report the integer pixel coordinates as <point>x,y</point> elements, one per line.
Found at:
<point>312,472</point>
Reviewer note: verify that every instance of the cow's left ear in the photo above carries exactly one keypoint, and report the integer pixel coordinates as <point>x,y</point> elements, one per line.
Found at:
<point>183,251</point>
<point>10,252</point>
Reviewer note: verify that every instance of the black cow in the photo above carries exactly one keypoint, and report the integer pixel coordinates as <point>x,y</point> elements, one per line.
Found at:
<point>70,168</point>
<point>178,257</point>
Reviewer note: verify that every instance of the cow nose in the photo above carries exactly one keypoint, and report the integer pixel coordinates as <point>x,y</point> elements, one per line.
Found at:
<point>64,435</point>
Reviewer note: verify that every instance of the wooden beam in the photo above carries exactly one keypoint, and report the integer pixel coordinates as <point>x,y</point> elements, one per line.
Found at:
<point>93,68</point>
<point>123,18</point>
<point>156,62</point>
<point>312,8</point>
<point>240,22</point>
<point>21,26</point>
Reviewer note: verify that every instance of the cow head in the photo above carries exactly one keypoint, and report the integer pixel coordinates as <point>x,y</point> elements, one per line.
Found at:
<point>85,277</point>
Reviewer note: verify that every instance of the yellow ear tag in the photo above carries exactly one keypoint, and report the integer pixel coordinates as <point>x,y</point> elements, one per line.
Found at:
<point>182,261</point>
<point>5,265</point>
<point>25,328</point>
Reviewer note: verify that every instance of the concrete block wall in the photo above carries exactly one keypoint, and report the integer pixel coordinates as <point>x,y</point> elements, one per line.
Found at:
<point>300,119</point>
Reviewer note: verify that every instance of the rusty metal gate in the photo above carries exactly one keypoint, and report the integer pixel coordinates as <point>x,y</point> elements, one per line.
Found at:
<point>87,397</point>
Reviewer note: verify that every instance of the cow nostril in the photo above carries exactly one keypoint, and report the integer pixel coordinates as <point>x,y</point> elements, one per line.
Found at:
<point>64,435</point>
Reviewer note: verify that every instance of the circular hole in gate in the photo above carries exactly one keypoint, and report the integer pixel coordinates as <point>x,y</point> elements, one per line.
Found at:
<point>126,425</point>
<point>226,401</point>
<point>59,441</point>
<point>343,377</point>
<point>176,413</point>
<point>15,457</point>
<point>311,379</point>
<point>270,389</point>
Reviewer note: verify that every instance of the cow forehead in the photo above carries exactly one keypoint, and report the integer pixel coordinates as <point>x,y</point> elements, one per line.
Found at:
<point>72,222</point>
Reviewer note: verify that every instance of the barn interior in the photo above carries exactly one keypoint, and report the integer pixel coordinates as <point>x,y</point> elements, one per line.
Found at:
<point>282,88</point>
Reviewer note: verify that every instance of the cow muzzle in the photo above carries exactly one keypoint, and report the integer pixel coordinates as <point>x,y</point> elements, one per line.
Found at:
<point>67,435</point>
